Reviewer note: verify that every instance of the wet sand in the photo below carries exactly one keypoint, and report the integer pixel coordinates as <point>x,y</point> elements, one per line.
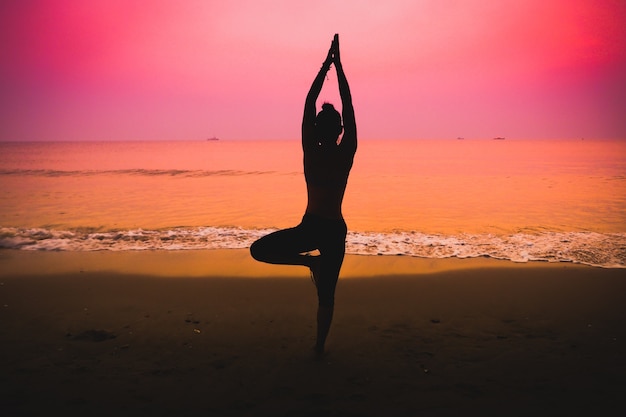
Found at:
<point>215,333</point>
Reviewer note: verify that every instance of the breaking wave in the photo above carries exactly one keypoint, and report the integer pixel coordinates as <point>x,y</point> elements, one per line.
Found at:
<point>134,172</point>
<point>606,250</point>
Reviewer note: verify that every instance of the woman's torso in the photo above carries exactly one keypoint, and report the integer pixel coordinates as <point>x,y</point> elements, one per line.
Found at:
<point>326,172</point>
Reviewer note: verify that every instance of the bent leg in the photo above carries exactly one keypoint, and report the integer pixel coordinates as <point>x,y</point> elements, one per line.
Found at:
<point>284,247</point>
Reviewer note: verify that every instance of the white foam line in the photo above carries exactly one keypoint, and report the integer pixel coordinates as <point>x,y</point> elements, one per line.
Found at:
<point>597,249</point>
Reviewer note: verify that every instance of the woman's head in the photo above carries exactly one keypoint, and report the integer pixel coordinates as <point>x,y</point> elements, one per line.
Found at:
<point>328,125</point>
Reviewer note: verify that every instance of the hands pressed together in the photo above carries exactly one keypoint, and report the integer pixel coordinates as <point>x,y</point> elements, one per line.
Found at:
<point>333,54</point>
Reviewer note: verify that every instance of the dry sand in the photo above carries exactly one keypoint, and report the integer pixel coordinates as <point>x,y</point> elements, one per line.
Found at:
<point>215,334</point>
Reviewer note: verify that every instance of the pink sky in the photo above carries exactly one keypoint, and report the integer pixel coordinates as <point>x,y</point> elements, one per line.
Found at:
<point>156,69</point>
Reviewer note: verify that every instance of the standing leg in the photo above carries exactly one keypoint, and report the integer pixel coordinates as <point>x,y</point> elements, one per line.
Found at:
<point>327,274</point>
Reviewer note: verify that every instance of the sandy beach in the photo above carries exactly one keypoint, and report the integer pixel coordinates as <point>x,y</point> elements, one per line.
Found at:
<point>214,333</point>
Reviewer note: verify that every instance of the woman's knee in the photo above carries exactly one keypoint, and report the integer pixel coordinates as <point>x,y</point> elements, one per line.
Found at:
<point>326,296</point>
<point>257,251</point>
<point>326,286</point>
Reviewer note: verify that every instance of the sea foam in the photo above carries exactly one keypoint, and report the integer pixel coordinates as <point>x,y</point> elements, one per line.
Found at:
<point>606,250</point>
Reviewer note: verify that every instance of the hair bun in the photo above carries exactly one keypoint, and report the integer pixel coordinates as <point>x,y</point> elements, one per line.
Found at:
<point>328,107</point>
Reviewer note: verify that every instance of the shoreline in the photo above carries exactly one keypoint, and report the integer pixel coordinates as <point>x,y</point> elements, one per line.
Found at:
<point>592,248</point>
<point>187,333</point>
<point>239,263</point>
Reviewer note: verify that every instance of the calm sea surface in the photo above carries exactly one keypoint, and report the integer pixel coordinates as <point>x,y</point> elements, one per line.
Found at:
<point>554,200</point>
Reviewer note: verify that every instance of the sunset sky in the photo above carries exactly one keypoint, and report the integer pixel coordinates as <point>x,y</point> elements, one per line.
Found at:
<point>240,69</point>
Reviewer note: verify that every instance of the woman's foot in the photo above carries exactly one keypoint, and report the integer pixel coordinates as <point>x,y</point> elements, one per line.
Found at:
<point>314,267</point>
<point>319,353</point>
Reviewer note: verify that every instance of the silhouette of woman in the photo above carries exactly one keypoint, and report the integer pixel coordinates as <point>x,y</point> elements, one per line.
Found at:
<point>327,164</point>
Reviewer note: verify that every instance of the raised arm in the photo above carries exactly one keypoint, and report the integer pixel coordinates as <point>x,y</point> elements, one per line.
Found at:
<point>348,141</point>
<point>310,111</point>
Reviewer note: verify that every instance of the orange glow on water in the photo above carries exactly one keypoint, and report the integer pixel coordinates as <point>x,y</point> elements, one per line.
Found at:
<point>470,186</point>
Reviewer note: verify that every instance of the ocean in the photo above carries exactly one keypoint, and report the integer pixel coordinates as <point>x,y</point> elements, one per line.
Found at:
<point>514,199</point>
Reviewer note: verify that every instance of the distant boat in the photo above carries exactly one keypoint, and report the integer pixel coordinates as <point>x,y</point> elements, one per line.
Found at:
<point>460,138</point>
<point>213,138</point>
<point>499,138</point>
